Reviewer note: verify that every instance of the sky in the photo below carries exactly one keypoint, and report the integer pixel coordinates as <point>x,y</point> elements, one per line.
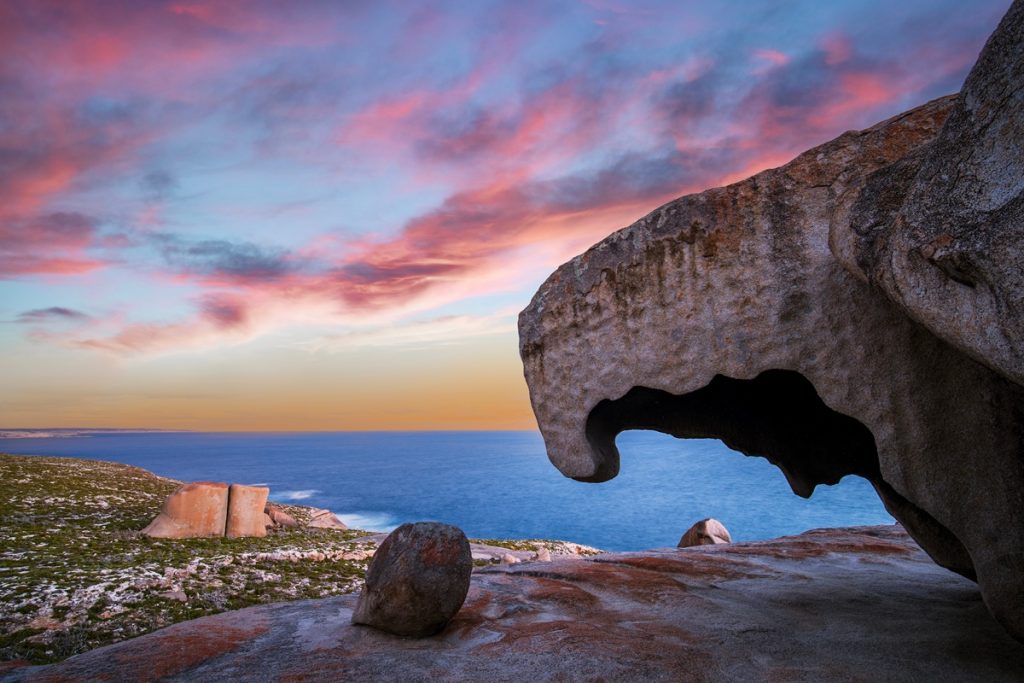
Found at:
<point>327,215</point>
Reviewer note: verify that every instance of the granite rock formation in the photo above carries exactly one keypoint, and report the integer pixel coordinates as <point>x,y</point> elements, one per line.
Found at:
<point>944,238</point>
<point>831,605</point>
<point>245,511</point>
<point>205,508</point>
<point>325,519</point>
<point>280,518</point>
<point>417,580</point>
<point>856,311</point>
<point>195,510</point>
<point>705,532</point>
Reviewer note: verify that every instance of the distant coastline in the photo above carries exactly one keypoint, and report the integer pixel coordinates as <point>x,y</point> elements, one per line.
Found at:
<point>46,433</point>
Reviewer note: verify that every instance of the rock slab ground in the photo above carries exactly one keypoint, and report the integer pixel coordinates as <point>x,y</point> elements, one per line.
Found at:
<point>858,604</point>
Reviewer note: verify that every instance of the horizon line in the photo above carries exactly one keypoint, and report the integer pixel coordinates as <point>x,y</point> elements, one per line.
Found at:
<point>253,431</point>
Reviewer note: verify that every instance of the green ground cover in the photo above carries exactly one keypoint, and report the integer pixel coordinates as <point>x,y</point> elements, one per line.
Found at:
<point>76,573</point>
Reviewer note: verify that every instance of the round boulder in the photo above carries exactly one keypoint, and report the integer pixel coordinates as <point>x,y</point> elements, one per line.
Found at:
<point>705,532</point>
<point>417,580</point>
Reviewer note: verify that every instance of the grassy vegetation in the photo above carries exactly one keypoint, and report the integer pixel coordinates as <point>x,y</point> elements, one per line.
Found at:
<point>533,545</point>
<point>75,573</point>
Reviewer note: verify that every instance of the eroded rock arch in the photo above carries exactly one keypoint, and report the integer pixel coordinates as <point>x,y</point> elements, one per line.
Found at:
<point>777,415</point>
<point>884,268</point>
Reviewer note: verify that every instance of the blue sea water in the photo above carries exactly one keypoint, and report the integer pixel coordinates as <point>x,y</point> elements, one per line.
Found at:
<point>492,484</point>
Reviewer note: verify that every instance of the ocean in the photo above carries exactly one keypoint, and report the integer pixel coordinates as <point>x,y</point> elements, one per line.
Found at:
<point>492,484</point>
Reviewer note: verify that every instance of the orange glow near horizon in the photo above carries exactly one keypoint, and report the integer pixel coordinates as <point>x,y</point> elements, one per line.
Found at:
<point>459,387</point>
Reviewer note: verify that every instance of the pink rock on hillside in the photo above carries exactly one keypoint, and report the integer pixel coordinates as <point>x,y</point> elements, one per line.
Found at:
<point>279,517</point>
<point>325,519</point>
<point>195,509</point>
<point>245,511</point>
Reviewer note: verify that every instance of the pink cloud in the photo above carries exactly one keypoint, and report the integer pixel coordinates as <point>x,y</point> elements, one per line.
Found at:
<point>444,133</point>
<point>857,92</point>
<point>91,45</point>
<point>477,243</point>
<point>769,59</point>
<point>538,164</point>
<point>386,124</point>
<point>47,158</point>
<point>76,79</point>
<point>220,317</point>
<point>838,48</point>
<point>53,244</point>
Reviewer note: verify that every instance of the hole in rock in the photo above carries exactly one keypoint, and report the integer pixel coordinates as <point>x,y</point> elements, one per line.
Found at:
<point>777,415</point>
<point>667,484</point>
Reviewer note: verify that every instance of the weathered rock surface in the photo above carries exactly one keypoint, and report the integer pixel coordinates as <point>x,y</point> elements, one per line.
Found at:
<point>195,510</point>
<point>245,511</point>
<point>705,532</point>
<point>325,519</point>
<point>731,314</point>
<point>832,605</point>
<point>279,517</point>
<point>417,580</point>
<point>945,238</point>
<point>207,508</point>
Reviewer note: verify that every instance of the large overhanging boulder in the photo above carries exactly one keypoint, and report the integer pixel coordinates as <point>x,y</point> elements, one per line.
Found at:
<point>794,316</point>
<point>943,237</point>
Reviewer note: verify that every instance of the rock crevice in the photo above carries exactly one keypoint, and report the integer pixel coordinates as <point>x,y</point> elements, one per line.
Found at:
<point>204,508</point>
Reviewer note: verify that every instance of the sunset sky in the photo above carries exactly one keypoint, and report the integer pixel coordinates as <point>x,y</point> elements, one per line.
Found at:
<point>327,215</point>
